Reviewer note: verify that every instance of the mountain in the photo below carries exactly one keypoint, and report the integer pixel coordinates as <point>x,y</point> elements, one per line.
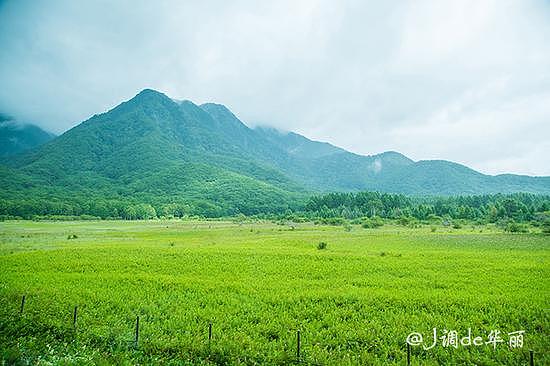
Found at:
<point>152,149</point>
<point>157,150</point>
<point>325,167</point>
<point>17,137</point>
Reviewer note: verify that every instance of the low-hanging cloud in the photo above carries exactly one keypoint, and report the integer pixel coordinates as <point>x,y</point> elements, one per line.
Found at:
<point>467,81</point>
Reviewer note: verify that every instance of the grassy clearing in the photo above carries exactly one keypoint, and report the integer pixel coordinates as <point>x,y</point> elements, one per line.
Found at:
<point>355,301</point>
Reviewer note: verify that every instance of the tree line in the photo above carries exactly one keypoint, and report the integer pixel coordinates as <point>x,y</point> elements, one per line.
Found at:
<point>520,207</point>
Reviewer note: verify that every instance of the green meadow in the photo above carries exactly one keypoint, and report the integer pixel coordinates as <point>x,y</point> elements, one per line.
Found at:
<point>258,283</point>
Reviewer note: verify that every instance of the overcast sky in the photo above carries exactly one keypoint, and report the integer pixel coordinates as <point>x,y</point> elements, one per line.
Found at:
<point>467,81</point>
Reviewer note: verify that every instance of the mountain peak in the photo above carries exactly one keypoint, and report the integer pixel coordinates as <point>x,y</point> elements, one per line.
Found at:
<point>216,106</point>
<point>151,94</point>
<point>218,109</point>
<point>223,115</point>
<point>187,102</point>
<point>148,91</point>
<point>148,98</point>
<point>394,157</point>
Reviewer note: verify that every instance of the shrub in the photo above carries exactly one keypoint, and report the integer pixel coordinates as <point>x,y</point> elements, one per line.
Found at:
<point>405,220</point>
<point>433,218</point>
<point>322,245</point>
<point>514,227</point>
<point>372,223</point>
<point>335,221</point>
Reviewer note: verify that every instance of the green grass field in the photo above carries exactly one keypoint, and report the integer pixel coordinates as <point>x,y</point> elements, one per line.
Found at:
<point>354,302</point>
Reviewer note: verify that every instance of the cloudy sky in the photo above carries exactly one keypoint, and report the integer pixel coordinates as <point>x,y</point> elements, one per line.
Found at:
<point>467,81</point>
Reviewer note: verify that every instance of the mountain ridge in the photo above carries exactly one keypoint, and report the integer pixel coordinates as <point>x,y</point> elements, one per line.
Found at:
<point>17,137</point>
<point>151,147</point>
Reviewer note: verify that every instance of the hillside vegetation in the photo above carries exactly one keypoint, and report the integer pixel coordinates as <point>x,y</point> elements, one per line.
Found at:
<point>186,159</point>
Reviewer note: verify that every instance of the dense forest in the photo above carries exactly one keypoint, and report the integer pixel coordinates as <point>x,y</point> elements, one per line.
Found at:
<point>517,206</point>
<point>232,201</point>
<point>367,208</point>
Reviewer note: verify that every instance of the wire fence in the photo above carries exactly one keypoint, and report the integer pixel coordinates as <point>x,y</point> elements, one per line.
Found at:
<point>299,355</point>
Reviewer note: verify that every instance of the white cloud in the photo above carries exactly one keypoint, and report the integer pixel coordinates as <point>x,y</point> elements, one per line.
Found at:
<point>460,80</point>
<point>484,122</point>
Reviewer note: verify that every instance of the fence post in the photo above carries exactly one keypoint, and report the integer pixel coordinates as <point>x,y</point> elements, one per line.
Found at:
<point>22,304</point>
<point>136,338</point>
<point>298,345</point>
<point>74,316</point>
<point>408,354</point>
<point>531,358</point>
